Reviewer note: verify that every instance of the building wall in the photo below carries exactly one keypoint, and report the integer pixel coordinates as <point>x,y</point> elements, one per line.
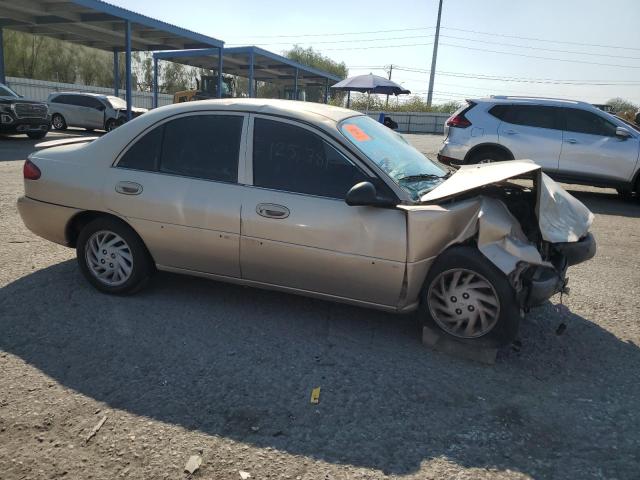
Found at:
<point>40,90</point>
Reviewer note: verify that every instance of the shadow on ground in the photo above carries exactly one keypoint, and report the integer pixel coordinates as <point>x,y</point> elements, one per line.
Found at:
<point>608,203</point>
<point>223,359</point>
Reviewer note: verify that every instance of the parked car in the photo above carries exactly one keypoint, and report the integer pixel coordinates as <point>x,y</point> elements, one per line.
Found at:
<point>573,142</point>
<point>88,110</point>
<point>18,115</point>
<point>309,199</point>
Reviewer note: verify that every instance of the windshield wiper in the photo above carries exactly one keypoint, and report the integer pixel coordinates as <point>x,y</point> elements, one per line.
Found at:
<point>424,176</point>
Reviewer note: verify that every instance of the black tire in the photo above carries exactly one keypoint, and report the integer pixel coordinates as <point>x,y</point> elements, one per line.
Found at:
<point>469,259</point>
<point>625,193</point>
<point>141,263</point>
<point>89,129</point>
<point>110,125</point>
<point>36,135</point>
<point>488,155</point>
<point>58,122</point>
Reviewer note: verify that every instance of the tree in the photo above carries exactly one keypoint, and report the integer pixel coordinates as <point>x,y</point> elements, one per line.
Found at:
<point>624,108</point>
<point>312,58</point>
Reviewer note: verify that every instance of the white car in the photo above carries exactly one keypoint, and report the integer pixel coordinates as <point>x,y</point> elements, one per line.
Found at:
<point>573,142</point>
<point>88,110</point>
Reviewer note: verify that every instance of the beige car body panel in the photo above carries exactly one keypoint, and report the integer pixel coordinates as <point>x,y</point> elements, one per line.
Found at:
<point>375,257</point>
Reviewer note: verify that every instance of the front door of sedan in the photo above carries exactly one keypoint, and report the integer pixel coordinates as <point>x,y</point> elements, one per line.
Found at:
<point>297,230</point>
<point>592,150</point>
<point>532,132</point>
<point>177,187</point>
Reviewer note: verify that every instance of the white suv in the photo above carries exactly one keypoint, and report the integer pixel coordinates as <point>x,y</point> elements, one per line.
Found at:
<point>573,142</point>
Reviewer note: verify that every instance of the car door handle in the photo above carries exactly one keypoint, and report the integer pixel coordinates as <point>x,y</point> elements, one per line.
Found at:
<point>129,188</point>
<point>571,140</point>
<point>511,132</point>
<point>271,210</point>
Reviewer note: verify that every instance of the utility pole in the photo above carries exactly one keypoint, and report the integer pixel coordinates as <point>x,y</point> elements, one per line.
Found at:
<point>435,56</point>
<point>390,70</point>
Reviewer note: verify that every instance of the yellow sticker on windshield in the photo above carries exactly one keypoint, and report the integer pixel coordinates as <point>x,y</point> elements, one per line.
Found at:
<point>356,132</point>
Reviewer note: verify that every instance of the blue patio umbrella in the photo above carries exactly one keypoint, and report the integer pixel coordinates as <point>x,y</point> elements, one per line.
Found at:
<point>369,84</point>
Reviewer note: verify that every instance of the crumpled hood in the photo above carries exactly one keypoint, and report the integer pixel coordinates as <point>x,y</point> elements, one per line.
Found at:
<point>561,216</point>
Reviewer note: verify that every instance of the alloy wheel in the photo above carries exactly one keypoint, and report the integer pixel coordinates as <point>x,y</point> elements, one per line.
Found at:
<point>463,303</point>
<point>109,258</point>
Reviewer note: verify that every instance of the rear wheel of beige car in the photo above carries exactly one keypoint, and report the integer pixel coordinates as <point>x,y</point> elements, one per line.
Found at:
<point>469,299</point>
<point>112,257</point>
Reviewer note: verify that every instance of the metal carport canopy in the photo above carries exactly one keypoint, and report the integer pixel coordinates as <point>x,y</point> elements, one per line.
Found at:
<point>256,64</point>
<point>98,24</point>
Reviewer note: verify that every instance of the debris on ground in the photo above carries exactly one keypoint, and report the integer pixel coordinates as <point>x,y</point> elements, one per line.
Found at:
<point>193,464</point>
<point>315,395</point>
<point>244,475</point>
<point>95,429</point>
<point>561,328</point>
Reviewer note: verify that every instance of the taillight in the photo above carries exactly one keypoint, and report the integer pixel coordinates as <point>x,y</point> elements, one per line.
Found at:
<point>459,121</point>
<point>31,171</point>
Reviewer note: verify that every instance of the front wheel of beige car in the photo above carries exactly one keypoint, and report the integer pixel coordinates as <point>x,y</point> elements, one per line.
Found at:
<point>470,299</point>
<point>112,257</point>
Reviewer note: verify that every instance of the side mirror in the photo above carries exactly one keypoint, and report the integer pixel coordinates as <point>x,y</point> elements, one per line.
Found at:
<point>364,194</point>
<point>623,133</point>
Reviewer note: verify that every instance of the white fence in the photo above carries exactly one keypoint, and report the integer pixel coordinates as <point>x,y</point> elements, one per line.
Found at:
<point>40,90</point>
<point>416,122</point>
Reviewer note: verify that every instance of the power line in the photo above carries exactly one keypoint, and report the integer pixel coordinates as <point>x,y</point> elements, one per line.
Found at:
<point>481,76</point>
<point>340,33</point>
<point>539,48</point>
<point>351,40</point>
<point>539,57</point>
<point>382,46</point>
<point>493,34</point>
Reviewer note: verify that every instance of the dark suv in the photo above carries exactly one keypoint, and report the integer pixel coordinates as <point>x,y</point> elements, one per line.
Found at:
<point>18,115</point>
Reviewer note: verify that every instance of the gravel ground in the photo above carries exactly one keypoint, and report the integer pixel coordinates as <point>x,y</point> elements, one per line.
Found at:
<point>195,367</point>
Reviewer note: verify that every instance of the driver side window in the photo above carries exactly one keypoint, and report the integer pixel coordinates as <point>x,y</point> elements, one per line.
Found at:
<point>581,121</point>
<point>293,159</point>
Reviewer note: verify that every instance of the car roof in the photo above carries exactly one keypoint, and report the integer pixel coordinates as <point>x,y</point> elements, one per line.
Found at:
<point>518,100</point>
<point>309,111</point>
<point>87,94</point>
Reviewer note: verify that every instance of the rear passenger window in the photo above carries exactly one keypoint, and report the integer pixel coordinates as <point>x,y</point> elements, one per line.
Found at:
<point>145,153</point>
<point>532,116</point>
<point>581,121</point>
<point>499,111</point>
<point>202,146</point>
<point>293,159</point>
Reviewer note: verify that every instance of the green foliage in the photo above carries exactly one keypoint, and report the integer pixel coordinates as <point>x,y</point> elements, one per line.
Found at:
<point>312,58</point>
<point>624,108</point>
<point>413,103</point>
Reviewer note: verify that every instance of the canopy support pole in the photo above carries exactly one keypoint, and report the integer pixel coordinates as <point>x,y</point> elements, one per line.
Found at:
<point>295,87</point>
<point>127,41</point>
<point>220,72</point>
<point>348,98</point>
<point>2,75</point>
<point>116,73</point>
<point>326,90</point>
<point>251,59</point>
<point>155,82</point>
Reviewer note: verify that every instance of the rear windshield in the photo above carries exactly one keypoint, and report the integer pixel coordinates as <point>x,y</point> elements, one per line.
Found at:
<point>409,168</point>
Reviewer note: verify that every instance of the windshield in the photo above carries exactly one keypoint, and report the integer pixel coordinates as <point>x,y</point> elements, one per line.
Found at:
<point>7,92</point>
<point>409,168</point>
<point>116,102</point>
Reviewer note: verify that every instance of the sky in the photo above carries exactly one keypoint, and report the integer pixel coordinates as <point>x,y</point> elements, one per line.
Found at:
<point>580,49</point>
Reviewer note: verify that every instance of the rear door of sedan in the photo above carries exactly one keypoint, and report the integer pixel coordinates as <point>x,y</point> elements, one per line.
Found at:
<point>297,230</point>
<point>177,185</point>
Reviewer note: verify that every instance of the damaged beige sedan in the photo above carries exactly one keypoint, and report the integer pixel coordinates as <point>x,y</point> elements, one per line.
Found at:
<point>309,199</point>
